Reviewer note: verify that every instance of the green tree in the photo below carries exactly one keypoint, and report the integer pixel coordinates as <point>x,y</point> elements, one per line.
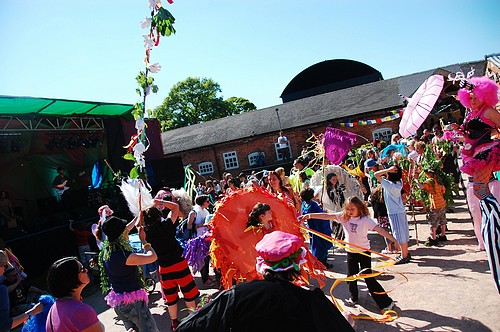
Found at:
<point>196,100</point>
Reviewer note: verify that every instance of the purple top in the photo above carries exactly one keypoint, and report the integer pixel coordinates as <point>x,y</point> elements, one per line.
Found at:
<point>68,314</point>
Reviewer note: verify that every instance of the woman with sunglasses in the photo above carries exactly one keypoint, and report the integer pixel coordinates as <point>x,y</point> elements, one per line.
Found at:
<point>66,279</point>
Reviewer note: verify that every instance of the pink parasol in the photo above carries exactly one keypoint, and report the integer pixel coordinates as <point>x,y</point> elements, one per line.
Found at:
<point>420,105</point>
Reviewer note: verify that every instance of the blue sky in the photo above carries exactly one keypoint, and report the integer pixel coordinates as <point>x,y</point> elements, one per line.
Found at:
<point>93,49</point>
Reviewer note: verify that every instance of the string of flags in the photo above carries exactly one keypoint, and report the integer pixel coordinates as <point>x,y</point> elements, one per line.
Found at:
<point>396,114</point>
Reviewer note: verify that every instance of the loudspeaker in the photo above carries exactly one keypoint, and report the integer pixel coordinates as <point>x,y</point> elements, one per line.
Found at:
<point>167,172</point>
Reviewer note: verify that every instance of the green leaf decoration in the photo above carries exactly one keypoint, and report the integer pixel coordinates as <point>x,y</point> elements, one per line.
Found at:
<point>164,22</point>
<point>134,173</point>
<point>129,156</point>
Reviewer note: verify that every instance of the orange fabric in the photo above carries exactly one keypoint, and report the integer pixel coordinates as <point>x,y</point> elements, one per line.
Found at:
<point>233,246</point>
<point>436,192</point>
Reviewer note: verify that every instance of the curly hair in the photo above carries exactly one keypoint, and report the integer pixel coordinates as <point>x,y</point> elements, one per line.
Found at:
<point>485,89</point>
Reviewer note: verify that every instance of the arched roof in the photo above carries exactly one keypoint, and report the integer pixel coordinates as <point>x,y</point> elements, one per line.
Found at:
<point>328,76</point>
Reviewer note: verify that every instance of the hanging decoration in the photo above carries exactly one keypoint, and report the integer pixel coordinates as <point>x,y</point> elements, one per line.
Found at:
<point>396,114</point>
<point>337,144</point>
<point>159,24</point>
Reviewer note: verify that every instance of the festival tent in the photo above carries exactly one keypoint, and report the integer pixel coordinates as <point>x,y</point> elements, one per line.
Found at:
<point>37,135</point>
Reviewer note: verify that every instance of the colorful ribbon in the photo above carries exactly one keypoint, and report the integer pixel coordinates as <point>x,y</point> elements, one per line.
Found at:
<point>389,315</point>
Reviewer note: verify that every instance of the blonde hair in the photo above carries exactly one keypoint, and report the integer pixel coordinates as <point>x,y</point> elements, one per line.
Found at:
<point>280,171</point>
<point>360,206</point>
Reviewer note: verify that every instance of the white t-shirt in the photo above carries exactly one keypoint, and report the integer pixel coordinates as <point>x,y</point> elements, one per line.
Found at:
<point>356,230</point>
<point>201,214</point>
<point>413,155</point>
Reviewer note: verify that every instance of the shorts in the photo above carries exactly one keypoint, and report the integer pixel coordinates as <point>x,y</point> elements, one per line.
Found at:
<point>178,276</point>
<point>399,226</point>
<point>437,217</point>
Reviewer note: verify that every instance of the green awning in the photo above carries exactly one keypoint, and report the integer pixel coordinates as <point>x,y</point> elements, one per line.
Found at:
<point>18,106</point>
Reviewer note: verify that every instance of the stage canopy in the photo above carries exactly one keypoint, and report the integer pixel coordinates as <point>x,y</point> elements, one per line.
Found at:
<point>10,105</point>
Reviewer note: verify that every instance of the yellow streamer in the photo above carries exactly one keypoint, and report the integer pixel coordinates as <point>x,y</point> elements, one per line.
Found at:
<point>389,315</point>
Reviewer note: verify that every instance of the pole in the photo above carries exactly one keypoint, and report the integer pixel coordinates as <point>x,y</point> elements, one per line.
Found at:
<point>277,114</point>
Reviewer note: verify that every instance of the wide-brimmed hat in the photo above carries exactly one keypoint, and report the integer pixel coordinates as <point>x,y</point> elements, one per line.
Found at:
<point>280,251</point>
<point>113,227</point>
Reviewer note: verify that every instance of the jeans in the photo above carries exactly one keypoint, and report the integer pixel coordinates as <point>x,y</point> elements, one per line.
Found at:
<point>136,315</point>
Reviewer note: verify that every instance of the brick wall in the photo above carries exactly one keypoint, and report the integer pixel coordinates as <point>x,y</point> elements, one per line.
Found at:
<point>265,143</point>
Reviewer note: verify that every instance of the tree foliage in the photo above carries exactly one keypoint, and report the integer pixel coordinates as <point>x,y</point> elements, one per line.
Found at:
<point>197,100</point>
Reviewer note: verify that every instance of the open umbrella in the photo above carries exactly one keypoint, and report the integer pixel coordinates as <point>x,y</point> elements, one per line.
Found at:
<point>420,105</point>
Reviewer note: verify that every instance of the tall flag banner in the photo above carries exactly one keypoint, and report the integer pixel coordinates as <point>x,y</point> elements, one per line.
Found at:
<point>337,144</point>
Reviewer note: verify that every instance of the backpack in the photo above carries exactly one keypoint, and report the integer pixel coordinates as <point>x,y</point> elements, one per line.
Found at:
<point>182,233</point>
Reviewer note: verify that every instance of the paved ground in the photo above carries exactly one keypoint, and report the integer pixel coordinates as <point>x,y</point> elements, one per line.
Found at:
<point>449,288</point>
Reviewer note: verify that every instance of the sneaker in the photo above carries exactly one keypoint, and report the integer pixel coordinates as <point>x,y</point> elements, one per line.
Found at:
<point>175,324</point>
<point>350,303</point>
<point>389,307</point>
<point>402,260</point>
<point>385,252</point>
<point>431,242</point>
<point>442,238</point>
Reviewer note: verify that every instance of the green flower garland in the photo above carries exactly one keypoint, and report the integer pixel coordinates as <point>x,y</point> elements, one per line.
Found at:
<point>120,244</point>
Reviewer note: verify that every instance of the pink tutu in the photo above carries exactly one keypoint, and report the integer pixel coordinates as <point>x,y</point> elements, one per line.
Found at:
<point>472,164</point>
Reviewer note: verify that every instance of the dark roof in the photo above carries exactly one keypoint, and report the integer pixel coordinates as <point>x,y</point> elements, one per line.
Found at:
<point>371,97</point>
<point>328,76</point>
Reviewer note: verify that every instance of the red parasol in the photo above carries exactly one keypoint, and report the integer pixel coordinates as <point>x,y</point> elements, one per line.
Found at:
<point>420,105</point>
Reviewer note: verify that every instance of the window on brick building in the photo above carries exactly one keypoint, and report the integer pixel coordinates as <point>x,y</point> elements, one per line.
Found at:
<point>283,154</point>
<point>382,134</point>
<point>206,168</point>
<point>256,159</point>
<point>231,160</point>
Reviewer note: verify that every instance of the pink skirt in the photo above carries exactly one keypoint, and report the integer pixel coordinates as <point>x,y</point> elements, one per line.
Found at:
<point>481,159</point>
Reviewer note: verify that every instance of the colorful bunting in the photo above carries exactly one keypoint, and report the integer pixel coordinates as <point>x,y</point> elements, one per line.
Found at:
<point>396,114</point>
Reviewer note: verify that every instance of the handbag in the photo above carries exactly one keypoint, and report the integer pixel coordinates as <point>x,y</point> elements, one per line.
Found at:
<point>182,232</point>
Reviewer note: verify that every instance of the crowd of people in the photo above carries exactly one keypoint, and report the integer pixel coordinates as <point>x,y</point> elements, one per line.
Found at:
<point>390,178</point>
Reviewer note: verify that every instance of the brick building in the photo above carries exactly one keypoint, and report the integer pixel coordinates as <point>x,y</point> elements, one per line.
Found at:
<point>325,94</point>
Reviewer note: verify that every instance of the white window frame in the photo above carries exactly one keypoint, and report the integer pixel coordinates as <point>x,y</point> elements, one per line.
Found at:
<point>253,158</point>
<point>380,134</point>
<point>206,167</point>
<point>279,155</point>
<point>230,160</point>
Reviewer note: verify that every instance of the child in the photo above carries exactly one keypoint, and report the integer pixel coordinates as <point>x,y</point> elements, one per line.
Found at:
<point>437,211</point>
<point>380,212</point>
<point>82,240</point>
<point>319,246</point>
<point>356,222</point>
<point>393,186</point>
<point>261,216</point>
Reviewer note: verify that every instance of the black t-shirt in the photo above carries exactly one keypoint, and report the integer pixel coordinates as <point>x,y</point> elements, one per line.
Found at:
<point>161,235</point>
